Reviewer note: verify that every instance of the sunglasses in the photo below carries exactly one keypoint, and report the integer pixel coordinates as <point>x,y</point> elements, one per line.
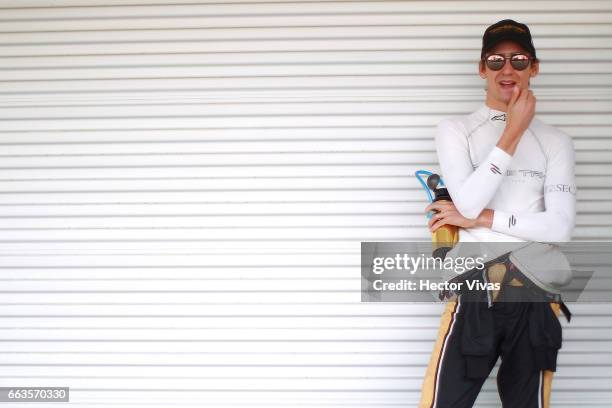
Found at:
<point>496,62</point>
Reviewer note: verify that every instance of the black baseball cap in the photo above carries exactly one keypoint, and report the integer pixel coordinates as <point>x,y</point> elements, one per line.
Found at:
<point>507,30</point>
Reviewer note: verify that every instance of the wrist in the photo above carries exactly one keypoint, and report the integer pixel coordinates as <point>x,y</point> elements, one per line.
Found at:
<point>511,135</point>
<point>484,219</point>
<point>508,144</point>
<point>512,132</point>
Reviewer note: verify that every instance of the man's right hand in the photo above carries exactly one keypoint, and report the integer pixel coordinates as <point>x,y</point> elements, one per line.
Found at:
<point>520,112</point>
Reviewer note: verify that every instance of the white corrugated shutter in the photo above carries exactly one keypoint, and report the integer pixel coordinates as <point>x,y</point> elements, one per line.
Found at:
<point>184,187</point>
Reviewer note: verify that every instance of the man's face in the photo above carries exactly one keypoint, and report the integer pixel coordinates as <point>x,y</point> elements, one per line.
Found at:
<point>500,83</point>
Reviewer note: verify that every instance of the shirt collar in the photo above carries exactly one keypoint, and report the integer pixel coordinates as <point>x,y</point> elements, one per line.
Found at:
<point>495,117</point>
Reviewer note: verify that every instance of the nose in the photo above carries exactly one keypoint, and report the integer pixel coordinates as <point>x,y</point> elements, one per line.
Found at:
<point>508,69</point>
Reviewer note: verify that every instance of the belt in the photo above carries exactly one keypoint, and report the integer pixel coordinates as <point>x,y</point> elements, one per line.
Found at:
<point>510,276</point>
<point>516,274</point>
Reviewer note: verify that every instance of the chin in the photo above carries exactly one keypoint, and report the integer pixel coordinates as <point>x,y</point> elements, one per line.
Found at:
<point>505,97</point>
<point>502,100</point>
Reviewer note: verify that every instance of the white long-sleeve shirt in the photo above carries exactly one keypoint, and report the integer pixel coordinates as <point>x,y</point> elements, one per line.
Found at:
<point>532,193</point>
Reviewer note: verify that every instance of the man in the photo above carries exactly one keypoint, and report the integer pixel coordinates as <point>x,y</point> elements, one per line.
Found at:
<point>511,178</point>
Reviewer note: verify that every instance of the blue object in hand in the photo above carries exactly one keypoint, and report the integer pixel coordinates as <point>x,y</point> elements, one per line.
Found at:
<point>419,174</point>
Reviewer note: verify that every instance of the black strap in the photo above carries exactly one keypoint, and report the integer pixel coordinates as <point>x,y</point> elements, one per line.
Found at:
<point>566,311</point>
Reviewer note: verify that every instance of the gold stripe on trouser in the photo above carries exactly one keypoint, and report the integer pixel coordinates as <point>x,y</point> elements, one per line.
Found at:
<point>547,375</point>
<point>428,389</point>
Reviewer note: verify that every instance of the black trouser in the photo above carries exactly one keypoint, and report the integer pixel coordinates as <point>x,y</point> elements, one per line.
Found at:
<point>472,336</point>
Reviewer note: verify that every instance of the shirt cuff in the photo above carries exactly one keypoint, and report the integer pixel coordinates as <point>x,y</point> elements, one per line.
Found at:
<point>502,221</point>
<point>500,157</point>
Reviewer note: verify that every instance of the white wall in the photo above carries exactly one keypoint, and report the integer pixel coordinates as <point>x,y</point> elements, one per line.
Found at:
<point>184,189</point>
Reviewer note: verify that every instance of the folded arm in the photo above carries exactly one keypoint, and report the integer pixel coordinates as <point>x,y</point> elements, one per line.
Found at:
<point>556,223</point>
<point>471,189</point>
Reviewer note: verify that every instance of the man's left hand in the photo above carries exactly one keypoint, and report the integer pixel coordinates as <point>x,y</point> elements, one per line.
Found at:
<point>445,213</point>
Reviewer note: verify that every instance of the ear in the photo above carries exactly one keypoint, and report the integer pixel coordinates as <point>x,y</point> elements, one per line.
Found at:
<point>535,69</point>
<point>482,70</point>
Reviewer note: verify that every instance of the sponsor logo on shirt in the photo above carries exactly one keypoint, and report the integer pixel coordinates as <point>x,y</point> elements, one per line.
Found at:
<point>511,221</point>
<point>526,173</point>
<point>531,173</point>
<point>495,169</point>
<point>501,117</point>
<point>561,188</point>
